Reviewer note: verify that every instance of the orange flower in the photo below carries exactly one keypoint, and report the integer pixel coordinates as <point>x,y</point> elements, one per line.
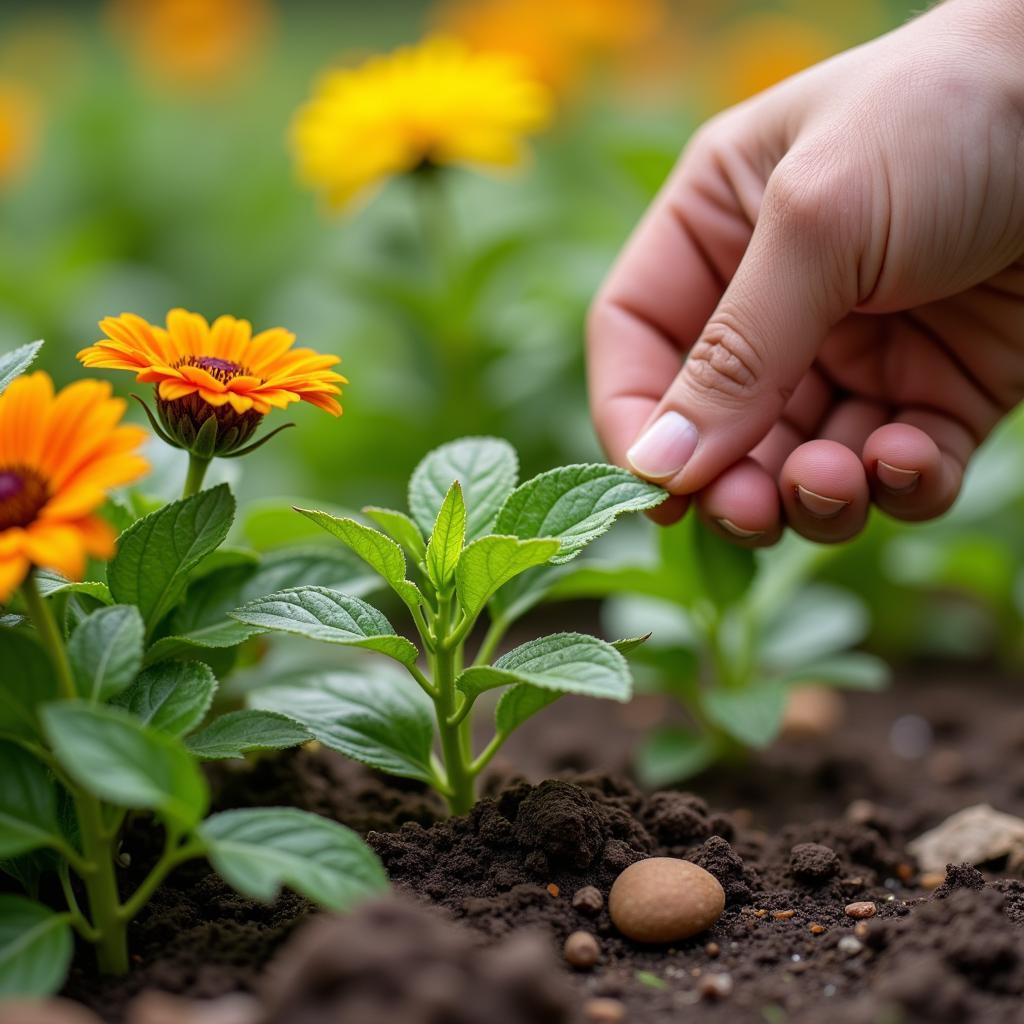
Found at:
<point>19,117</point>
<point>220,370</point>
<point>59,455</point>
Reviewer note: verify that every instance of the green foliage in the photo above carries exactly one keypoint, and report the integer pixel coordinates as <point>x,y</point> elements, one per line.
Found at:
<point>238,733</point>
<point>16,362</point>
<point>105,651</point>
<point>28,804</point>
<point>35,947</point>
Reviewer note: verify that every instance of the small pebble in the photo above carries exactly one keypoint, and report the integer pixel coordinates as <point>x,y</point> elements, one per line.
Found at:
<point>604,1011</point>
<point>783,915</point>
<point>588,900</point>
<point>849,945</point>
<point>553,889</point>
<point>663,899</point>
<point>904,872</point>
<point>582,950</point>
<point>860,812</point>
<point>712,949</point>
<point>862,909</point>
<point>716,986</point>
<point>860,929</point>
<point>932,879</point>
<point>816,929</point>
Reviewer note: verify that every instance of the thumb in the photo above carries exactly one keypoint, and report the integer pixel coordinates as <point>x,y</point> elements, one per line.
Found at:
<point>797,278</point>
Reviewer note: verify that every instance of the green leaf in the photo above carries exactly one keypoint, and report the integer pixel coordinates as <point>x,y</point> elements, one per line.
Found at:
<point>16,362</point>
<point>35,948</point>
<point>105,651</point>
<point>524,592</point>
<point>51,584</point>
<point>107,752</point>
<point>627,644</point>
<point>385,722</point>
<point>576,504</point>
<point>725,569</point>
<point>28,681</point>
<point>855,670</point>
<point>564,662</point>
<point>322,614</point>
<point>400,528</point>
<point>753,715</point>
<point>156,554</point>
<point>816,622</point>
<point>259,851</point>
<point>519,703</point>
<point>241,732</point>
<point>218,636</point>
<point>379,552</point>
<point>672,755</point>
<point>28,803</point>
<point>447,539</point>
<point>172,698</point>
<point>486,468</point>
<point>489,563</point>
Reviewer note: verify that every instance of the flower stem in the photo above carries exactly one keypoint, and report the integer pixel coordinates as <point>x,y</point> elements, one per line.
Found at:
<point>98,874</point>
<point>197,468</point>
<point>453,744</point>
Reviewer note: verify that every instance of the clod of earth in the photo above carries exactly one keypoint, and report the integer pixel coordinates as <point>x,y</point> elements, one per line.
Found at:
<point>974,835</point>
<point>588,900</point>
<point>582,950</point>
<point>663,899</point>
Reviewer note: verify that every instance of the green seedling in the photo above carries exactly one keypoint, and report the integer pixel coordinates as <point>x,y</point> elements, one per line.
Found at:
<point>474,546</point>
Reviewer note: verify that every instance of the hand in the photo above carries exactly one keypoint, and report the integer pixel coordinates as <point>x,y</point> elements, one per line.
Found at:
<point>841,260</point>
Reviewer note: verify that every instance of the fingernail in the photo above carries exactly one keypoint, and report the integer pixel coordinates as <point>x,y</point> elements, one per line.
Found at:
<point>899,481</point>
<point>737,531</point>
<point>664,448</point>
<point>818,505</point>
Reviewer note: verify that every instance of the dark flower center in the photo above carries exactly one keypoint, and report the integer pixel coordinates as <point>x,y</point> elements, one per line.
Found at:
<point>23,493</point>
<point>223,369</point>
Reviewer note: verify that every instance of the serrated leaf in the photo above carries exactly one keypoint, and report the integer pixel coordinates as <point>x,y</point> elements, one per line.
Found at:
<point>399,527</point>
<point>219,636</point>
<point>386,723</point>
<point>156,554</point>
<point>855,670</point>
<point>16,362</point>
<point>486,468</point>
<point>105,651</point>
<point>28,803</point>
<point>28,681</point>
<point>627,644</point>
<point>564,662</point>
<point>261,850</point>
<point>35,948</point>
<point>322,614</point>
<point>51,584</point>
<point>107,752</point>
<point>519,703</point>
<point>753,714</point>
<point>488,563</point>
<point>576,504</point>
<point>241,732</point>
<point>172,698</point>
<point>447,539</point>
<point>671,755</point>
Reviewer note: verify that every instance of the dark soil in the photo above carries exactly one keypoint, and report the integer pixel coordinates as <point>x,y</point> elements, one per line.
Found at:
<point>793,836</point>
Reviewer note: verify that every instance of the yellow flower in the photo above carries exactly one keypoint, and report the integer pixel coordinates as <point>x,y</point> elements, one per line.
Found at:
<point>190,42</point>
<point>219,370</point>
<point>431,104</point>
<point>59,455</point>
<point>18,129</point>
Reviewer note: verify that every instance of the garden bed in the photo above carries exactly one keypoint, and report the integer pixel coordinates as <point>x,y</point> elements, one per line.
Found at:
<point>784,950</point>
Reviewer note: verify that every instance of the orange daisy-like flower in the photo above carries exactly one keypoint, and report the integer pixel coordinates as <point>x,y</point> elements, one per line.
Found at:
<point>59,455</point>
<point>216,371</point>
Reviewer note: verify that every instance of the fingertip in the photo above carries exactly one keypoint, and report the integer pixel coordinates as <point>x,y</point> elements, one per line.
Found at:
<point>742,505</point>
<point>824,491</point>
<point>670,511</point>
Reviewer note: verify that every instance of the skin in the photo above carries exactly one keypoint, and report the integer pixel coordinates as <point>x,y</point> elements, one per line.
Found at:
<point>832,278</point>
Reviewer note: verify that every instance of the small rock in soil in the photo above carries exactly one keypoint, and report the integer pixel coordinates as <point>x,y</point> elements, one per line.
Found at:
<point>716,986</point>
<point>850,945</point>
<point>861,909</point>
<point>45,1011</point>
<point>588,900</point>
<point>974,835</point>
<point>813,863</point>
<point>604,1011</point>
<point>582,950</point>
<point>663,899</point>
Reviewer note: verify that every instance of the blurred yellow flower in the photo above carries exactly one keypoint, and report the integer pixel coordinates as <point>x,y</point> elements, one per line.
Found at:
<point>190,42</point>
<point>19,123</point>
<point>59,455</point>
<point>435,103</point>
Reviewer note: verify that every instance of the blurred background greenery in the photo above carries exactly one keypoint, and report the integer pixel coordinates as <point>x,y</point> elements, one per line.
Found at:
<point>145,163</point>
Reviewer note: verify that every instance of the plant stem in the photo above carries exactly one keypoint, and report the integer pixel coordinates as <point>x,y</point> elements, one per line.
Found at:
<point>197,468</point>
<point>493,637</point>
<point>453,747</point>
<point>99,878</point>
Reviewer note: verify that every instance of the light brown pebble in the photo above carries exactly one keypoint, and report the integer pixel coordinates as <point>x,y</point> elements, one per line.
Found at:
<point>860,929</point>
<point>712,949</point>
<point>588,900</point>
<point>783,915</point>
<point>604,1011</point>
<point>932,879</point>
<point>582,950</point>
<point>862,909</point>
<point>760,913</point>
<point>904,872</point>
<point>816,929</point>
<point>663,899</point>
<point>716,986</point>
<point>553,889</point>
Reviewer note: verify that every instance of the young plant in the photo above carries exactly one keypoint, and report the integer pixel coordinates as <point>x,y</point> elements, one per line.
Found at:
<point>479,546</point>
<point>734,633</point>
<point>107,688</point>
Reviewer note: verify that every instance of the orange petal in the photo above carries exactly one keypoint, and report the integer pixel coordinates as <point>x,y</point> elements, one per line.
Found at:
<point>171,390</point>
<point>56,546</point>
<point>12,573</point>
<point>23,410</point>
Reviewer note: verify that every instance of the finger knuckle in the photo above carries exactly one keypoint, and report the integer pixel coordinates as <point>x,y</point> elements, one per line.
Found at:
<point>724,363</point>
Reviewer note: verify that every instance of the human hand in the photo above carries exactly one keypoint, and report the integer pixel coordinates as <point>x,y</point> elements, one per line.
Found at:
<point>841,259</point>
